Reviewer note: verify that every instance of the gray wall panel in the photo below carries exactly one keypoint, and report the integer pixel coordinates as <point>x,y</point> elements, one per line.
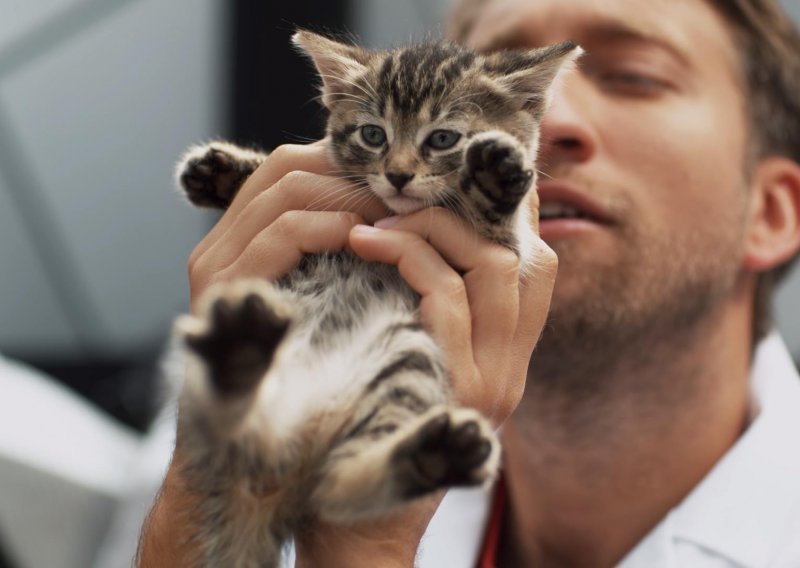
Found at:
<point>99,120</point>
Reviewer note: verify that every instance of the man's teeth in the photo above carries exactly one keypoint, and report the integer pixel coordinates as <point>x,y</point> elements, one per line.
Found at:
<point>557,210</point>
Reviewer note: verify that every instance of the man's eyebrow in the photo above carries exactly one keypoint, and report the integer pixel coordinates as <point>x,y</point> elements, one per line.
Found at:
<point>617,31</point>
<point>603,31</point>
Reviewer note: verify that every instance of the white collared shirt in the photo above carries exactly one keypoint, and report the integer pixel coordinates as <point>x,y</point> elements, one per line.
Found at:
<point>744,514</point>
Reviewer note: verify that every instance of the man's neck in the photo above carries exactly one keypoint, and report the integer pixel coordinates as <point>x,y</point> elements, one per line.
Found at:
<point>589,477</point>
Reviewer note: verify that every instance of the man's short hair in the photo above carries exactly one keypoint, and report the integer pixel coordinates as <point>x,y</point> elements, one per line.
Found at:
<point>768,42</point>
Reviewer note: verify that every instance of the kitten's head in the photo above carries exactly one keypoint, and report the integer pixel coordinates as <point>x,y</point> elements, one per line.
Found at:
<point>400,119</point>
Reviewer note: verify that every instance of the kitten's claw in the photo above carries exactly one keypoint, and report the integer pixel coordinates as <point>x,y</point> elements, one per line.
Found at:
<point>243,326</point>
<point>456,447</point>
<point>211,174</point>
<point>496,161</point>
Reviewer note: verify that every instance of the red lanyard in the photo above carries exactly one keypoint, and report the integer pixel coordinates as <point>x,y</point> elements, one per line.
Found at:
<point>491,539</point>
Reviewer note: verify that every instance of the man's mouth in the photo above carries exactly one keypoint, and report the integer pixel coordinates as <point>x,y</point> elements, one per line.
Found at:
<point>565,210</point>
<point>556,210</point>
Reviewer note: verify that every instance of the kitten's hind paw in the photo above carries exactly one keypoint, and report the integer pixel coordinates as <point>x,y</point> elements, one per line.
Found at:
<point>496,162</point>
<point>455,447</point>
<point>211,174</point>
<point>238,333</point>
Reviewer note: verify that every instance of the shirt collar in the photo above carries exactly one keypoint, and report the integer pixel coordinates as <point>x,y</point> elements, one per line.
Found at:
<point>742,508</point>
<point>456,532</point>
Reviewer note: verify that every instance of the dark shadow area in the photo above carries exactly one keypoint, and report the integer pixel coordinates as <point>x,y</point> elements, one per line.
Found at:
<point>274,86</point>
<point>5,555</point>
<point>126,387</point>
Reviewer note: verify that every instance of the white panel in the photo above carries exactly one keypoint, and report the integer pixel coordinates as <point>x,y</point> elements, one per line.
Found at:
<point>67,464</point>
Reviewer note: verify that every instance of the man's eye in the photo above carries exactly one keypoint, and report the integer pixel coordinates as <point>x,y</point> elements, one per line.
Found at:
<point>634,83</point>
<point>373,135</point>
<point>442,139</point>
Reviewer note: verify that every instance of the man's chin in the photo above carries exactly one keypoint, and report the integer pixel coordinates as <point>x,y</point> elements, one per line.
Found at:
<point>578,285</point>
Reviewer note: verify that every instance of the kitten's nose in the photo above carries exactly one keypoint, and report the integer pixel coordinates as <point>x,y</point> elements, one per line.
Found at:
<point>399,179</point>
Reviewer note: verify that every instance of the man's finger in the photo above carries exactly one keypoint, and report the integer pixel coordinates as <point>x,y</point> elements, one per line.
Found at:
<point>312,158</point>
<point>279,247</point>
<point>443,307</point>
<point>297,191</point>
<point>490,275</point>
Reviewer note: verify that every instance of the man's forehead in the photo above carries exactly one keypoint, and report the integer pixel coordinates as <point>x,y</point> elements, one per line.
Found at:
<point>516,23</point>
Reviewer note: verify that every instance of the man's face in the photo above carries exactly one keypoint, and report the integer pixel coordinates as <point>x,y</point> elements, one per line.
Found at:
<point>642,160</point>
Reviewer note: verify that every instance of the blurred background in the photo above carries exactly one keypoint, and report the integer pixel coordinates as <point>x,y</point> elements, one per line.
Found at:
<point>98,98</point>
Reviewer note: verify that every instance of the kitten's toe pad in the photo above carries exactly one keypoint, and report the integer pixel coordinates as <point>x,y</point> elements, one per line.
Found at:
<point>497,163</point>
<point>240,328</point>
<point>211,174</point>
<point>454,448</point>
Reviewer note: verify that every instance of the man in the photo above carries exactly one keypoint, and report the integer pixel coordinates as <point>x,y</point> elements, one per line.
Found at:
<point>646,435</point>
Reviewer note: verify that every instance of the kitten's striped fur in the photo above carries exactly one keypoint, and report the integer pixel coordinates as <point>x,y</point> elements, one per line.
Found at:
<point>322,395</point>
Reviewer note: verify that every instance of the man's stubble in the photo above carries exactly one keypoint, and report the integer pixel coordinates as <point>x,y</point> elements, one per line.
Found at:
<point>641,310</point>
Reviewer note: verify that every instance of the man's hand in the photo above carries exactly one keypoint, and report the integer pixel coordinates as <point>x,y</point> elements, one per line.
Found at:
<point>289,207</point>
<point>482,313</point>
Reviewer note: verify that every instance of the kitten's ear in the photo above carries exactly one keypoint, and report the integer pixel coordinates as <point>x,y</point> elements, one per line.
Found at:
<point>337,63</point>
<point>530,73</point>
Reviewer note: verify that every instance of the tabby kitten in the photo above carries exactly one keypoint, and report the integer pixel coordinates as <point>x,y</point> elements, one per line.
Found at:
<point>322,396</point>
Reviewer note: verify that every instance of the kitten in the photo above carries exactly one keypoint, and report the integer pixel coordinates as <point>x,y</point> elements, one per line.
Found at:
<point>322,396</point>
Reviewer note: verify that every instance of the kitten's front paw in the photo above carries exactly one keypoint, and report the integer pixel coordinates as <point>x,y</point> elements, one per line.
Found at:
<point>236,337</point>
<point>455,447</point>
<point>496,162</point>
<point>211,174</point>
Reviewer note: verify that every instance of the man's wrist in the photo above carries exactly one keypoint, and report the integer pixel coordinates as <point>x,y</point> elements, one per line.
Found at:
<point>391,542</point>
<point>164,537</point>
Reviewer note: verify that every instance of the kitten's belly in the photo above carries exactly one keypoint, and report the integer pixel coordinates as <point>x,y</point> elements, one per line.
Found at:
<point>343,307</point>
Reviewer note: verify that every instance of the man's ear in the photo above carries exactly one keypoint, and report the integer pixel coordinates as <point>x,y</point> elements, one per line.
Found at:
<point>774,233</point>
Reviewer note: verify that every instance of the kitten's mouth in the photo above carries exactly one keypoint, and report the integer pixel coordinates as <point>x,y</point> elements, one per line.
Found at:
<point>403,204</point>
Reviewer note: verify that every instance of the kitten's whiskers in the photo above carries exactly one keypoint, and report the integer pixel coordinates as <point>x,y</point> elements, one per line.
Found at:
<point>347,96</point>
<point>369,91</point>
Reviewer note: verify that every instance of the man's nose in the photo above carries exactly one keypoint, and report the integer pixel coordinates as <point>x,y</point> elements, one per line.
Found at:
<point>566,135</point>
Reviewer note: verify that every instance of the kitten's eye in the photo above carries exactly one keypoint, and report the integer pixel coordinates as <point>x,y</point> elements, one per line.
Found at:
<point>443,139</point>
<point>373,135</point>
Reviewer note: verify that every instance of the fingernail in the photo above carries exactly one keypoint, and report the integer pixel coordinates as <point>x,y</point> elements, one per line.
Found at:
<point>388,222</point>
<point>366,229</point>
